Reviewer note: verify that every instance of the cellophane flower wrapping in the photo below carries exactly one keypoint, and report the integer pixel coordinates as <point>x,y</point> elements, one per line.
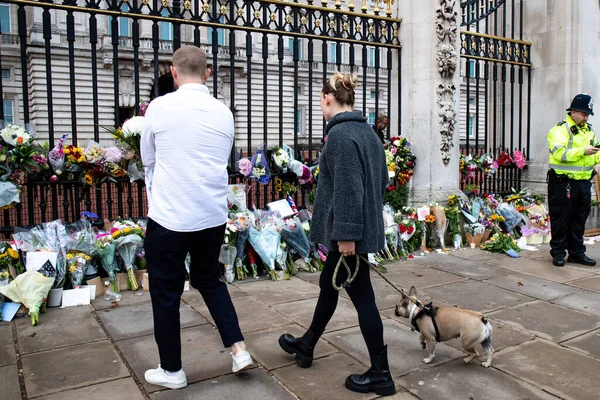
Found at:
<point>266,245</point>
<point>31,289</point>
<point>77,264</point>
<point>127,246</point>
<point>511,216</point>
<point>105,250</point>
<point>227,257</point>
<point>240,268</point>
<point>260,168</point>
<point>294,235</point>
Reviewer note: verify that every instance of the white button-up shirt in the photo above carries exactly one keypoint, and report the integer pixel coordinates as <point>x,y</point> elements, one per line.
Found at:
<point>186,143</point>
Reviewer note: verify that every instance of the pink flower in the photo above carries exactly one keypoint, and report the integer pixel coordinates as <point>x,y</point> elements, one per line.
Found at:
<point>53,178</point>
<point>495,164</point>
<point>113,154</point>
<point>519,159</point>
<point>245,166</point>
<point>394,150</point>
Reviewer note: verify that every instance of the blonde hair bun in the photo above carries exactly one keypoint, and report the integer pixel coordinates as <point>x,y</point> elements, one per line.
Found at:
<point>347,81</point>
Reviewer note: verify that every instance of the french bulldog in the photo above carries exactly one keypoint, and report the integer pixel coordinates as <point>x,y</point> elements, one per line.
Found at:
<point>470,326</point>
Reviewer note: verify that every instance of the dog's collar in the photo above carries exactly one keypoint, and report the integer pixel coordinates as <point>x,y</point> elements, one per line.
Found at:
<point>412,311</point>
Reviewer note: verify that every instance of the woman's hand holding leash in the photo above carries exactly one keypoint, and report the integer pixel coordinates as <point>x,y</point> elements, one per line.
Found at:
<point>346,248</point>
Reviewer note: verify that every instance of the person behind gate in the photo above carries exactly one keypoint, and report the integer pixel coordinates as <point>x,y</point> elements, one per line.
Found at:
<point>574,158</point>
<point>347,219</point>
<point>186,143</point>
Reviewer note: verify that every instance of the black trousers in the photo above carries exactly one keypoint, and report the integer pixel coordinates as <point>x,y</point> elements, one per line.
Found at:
<point>362,296</point>
<point>568,215</point>
<point>165,255</point>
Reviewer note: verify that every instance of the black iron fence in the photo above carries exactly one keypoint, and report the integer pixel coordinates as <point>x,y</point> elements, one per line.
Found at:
<point>496,82</point>
<point>76,65</point>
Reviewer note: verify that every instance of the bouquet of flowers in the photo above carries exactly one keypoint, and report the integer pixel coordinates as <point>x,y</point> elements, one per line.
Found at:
<point>105,249</point>
<point>294,235</point>
<point>392,239</point>
<point>56,156</point>
<point>260,167</point>
<point>266,244</point>
<point>228,252</point>
<point>80,247</point>
<point>77,263</point>
<point>31,289</point>
<point>128,138</point>
<point>511,215</point>
<point>282,157</point>
<point>58,240</point>
<point>10,260</point>
<point>502,243</point>
<point>453,217</point>
<point>127,237</point>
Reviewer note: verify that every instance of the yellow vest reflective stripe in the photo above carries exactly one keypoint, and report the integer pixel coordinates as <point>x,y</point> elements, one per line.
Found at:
<point>571,168</point>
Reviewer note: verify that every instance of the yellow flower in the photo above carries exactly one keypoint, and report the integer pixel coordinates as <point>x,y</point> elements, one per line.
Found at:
<point>127,230</point>
<point>69,256</point>
<point>13,253</point>
<point>73,268</point>
<point>88,179</point>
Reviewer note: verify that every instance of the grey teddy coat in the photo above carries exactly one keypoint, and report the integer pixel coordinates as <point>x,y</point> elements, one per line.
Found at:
<point>352,181</point>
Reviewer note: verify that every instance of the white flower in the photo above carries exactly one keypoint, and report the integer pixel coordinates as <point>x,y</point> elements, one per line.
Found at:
<point>12,133</point>
<point>396,143</point>
<point>282,158</point>
<point>392,174</point>
<point>133,126</point>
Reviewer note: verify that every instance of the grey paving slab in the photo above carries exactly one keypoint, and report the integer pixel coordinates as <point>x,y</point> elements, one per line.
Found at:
<point>532,286</point>
<point>542,269</point>
<point>7,346</point>
<point>312,277</point>
<point>588,343</point>
<point>282,291</point>
<point>202,355</point>
<point>404,350</point>
<point>586,302</point>
<point>124,389</point>
<point>386,295</point>
<point>324,380</point>
<point>9,383</point>
<point>403,275</point>
<point>457,380</point>
<point>254,384</point>
<point>128,298</point>
<point>477,296</point>
<point>252,314</point>
<point>302,313</point>
<point>193,297</point>
<point>477,255</point>
<point>546,320</point>
<point>542,253</point>
<point>265,348</point>
<point>137,320</point>
<point>466,268</point>
<point>59,327</point>
<point>88,364</point>
<point>559,371</point>
<point>592,283</point>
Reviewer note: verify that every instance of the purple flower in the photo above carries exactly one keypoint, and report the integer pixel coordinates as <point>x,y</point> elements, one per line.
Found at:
<point>88,215</point>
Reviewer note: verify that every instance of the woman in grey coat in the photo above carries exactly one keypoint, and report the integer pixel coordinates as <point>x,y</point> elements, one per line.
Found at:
<point>348,219</point>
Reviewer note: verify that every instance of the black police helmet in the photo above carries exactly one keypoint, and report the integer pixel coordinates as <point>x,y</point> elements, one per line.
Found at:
<point>583,103</point>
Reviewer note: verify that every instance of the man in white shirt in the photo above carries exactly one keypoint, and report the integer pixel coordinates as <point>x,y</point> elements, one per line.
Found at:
<point>185,145</point>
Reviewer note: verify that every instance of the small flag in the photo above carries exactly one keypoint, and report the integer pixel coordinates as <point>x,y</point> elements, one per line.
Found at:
<point>292,204</point>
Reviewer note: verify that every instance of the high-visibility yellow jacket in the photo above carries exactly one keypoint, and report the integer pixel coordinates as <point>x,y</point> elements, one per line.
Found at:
<point>567,142</point>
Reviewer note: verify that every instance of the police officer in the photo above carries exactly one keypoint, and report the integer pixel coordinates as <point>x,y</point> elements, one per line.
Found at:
<point>574,158</point>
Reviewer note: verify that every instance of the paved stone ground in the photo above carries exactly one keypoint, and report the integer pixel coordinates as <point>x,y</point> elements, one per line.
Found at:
<point>546,335</point>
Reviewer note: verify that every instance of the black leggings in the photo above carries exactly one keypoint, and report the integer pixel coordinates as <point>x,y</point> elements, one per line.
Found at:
<point>362,296</point>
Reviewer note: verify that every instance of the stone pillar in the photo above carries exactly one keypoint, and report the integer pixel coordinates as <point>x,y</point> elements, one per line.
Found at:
<point>565,55</point>
<point>430,93</point>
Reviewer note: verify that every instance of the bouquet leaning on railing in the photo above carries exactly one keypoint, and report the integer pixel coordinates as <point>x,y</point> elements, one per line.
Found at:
<point>80,247</point>
<point>105,249</point>
<point>294,235</point>
<point>127,236</point>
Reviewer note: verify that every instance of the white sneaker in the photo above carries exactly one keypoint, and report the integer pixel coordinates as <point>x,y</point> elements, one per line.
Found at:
<point>159,377</point>
<point>241,361</point>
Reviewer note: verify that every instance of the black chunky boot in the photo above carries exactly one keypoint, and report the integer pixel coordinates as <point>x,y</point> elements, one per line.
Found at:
<point>377,378</point>
<point>302,347</point>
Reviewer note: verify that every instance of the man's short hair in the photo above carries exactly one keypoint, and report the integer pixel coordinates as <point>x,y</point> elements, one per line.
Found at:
<point>382,117</point>
<point>190,61</point>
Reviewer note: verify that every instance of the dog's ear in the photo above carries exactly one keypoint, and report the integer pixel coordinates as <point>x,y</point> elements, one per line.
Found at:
<point>413,291</point>
<point>402,293</point>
